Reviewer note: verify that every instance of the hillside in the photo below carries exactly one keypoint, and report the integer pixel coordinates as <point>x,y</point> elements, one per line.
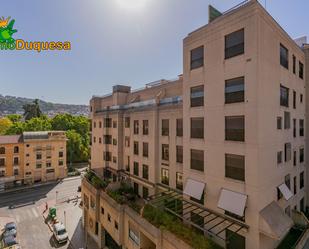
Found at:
<point>11,104</point>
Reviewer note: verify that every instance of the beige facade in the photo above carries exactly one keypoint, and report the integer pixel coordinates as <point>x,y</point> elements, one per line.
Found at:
<point>240,108</point>
<point>33,157</point>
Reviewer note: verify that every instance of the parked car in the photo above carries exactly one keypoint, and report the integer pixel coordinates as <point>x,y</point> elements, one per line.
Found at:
<point>10,229</point>
<point>60,233</point>
<point>9,241</point>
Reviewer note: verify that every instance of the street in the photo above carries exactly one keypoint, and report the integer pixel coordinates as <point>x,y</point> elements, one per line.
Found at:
<point>27,206</point>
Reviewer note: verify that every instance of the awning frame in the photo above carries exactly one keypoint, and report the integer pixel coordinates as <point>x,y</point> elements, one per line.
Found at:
<point>189,206</point>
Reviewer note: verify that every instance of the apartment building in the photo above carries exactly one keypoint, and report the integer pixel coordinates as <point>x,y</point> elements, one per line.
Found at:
<point>32,157</point>
<point>11,158</point>
<point>227,139</point>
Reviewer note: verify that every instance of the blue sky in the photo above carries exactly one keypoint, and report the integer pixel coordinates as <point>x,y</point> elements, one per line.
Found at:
<point>111,44</point>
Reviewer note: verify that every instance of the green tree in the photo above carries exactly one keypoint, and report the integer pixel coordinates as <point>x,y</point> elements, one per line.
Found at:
<point>77,150</point>
<point>14,117</point>
<point>38,124</point>
<point>32,110</point>
<point>5,124</point>
<point>15,128</point>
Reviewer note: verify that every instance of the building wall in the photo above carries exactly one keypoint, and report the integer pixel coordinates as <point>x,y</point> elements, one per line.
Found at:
<point>45,159</point>
<point>9,161</point>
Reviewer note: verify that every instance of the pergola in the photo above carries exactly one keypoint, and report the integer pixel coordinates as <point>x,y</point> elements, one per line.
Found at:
<point>207,221</point>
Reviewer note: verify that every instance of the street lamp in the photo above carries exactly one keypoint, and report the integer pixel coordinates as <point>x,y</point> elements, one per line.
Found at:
<point>56,196</point>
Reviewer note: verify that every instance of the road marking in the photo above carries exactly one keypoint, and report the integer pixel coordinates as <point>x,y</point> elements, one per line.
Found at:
<point>35,213</point>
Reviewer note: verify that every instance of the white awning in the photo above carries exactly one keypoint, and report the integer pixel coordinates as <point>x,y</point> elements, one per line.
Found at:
<point>232,202</point>
<point>286,192</point>
<point>194,188</point>
<point>274,222</point>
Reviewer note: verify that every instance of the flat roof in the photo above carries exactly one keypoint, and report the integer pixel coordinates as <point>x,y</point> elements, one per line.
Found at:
<point>10,139</point>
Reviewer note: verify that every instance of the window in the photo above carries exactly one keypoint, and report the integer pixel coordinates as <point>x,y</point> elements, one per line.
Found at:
<point>107,139</point>
<point>135,188</point>
<point>135,168</point>
<point>145,192</point>
<point>135,149</point>
<point>136,127</point>
<point>96,231</point>
<point>235,167</point>
<point>294,127</point>
<point>287,181</point>
<point>114,141</point>
<point>100,124</point>
<point>127,122</point>
<point>107,156</point>
<point>48,171</point>
<point>60,154</point>
<point>279,194</point>
<point>235,128</point>
<point>301,70</point>
<point>165,176</point>
<point>165,152</point>
<point>295,185</point>
<point>301,127</point>
<point>302,205</point>
<point>114,124</point>
<point>15,161</point>
<point>15,172</point>
<point>301,155</point>
<point>179,127</point>
<point>165,127</point>
<point>235,90</point>
<point>133,235</point>
<point>197,96</point>
<point>127,141</point>
<point>116,225</point>
<point>114,159</point>
<point>102,210</point>
<point>279,123</point>
<point>197,57</point>
<point>197,127</point>
<point>2,173</point>
<point>128,164</point>
<point>48,164</point>
<point>235,44</point>
<point>294,64</point>
<point>145,127</point>
<point>287,152</point>
<point>301,98</point>
<point>2,162</point>
<point>16,149</point>
<point>60,162</point>
<point>94,124</point>
<point>179,182</point>
<point>301,180</point>
<point>145,149</point>
<point>107,122</point>
<point>294,99</point>
<point>179,154</point>
<point>2,150</point>
<point>284,96</point>
<point>145,171</point>
<point>109,218</point>
<point>38,156</point>
<point>197,160</point>
<point>294,158</point>
<point>279,157</point>
<point>287,120</point>
<point>284,56</point>
<point>38,165</point>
